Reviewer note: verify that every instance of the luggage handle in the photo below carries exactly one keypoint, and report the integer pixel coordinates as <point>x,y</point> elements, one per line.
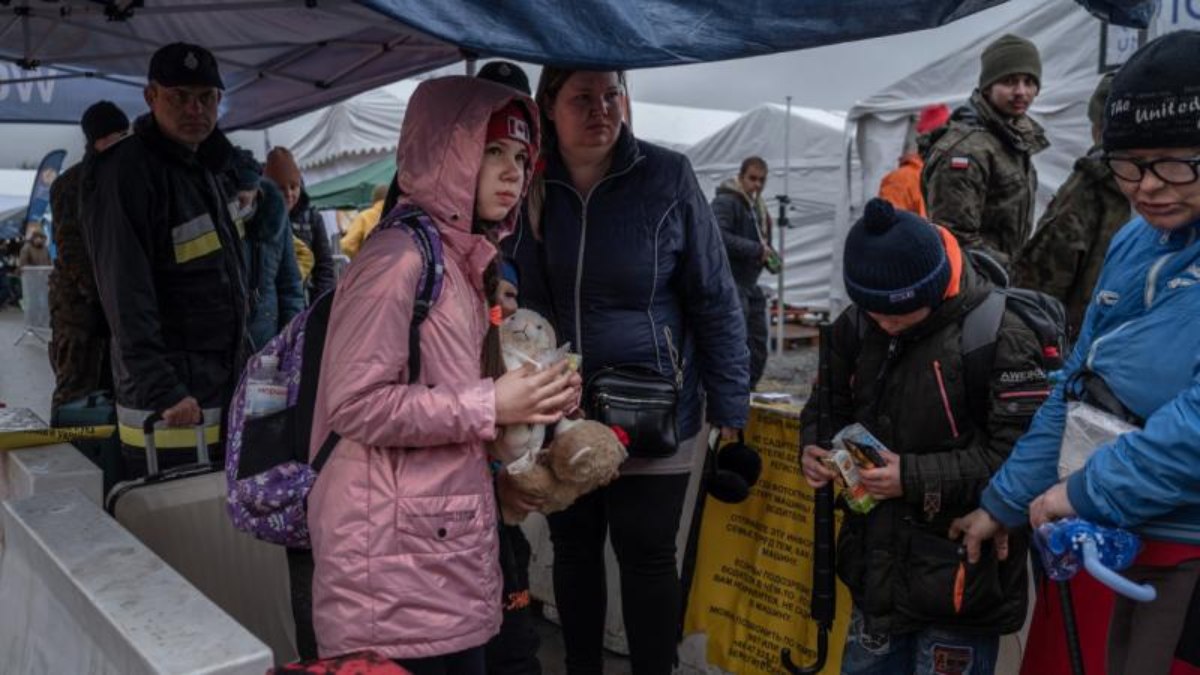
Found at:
<point>202,456</point>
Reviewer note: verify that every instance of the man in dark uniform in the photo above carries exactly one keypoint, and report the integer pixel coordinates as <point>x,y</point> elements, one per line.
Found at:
<point>168,261</point>
<point>79,342</point>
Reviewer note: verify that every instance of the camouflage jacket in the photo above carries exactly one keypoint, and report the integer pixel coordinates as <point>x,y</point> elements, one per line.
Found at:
<point>979,179</point>
<point>73,269</point>
<point>1067,250</point>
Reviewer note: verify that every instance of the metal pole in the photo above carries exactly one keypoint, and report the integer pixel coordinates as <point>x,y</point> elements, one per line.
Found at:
<point>781,227</point>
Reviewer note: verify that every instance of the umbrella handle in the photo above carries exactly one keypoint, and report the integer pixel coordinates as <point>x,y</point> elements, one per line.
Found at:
<point>1119,584</point>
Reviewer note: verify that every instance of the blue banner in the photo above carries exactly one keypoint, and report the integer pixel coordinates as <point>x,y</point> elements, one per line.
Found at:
<point>39,197</point>
<point>52,96</point>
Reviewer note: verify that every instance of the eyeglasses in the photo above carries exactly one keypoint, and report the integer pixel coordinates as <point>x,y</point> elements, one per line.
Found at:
<point>179,97</point>
<point>1170,170</point>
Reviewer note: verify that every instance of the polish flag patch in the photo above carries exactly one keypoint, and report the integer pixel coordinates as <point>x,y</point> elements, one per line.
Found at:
<point>960,163</point>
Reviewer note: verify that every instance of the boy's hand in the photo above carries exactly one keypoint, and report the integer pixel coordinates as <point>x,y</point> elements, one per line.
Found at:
<point>883,482</point>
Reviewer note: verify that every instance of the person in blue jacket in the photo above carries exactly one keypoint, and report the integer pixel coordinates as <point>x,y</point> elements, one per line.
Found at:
<point>272,277</point>
<point>624,257</point>
<point>1137,357</point>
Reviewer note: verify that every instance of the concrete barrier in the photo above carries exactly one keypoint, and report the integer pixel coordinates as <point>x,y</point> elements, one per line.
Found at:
<point>82,595</point>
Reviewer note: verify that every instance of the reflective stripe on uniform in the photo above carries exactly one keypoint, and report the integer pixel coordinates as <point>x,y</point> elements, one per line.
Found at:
<point>195,238</point>
<point>129,430</point>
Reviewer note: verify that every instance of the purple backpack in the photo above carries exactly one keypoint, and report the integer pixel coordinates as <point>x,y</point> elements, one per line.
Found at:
<point>266,458</point>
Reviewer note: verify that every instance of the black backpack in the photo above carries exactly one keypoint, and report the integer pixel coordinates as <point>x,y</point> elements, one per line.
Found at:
<point>1042,313</point>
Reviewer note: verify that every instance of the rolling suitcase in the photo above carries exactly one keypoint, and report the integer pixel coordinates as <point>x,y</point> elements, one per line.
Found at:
<point>180,514</point>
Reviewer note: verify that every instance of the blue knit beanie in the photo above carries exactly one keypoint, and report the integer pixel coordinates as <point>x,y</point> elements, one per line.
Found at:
<point>894,261</point>
<point>508,272</point>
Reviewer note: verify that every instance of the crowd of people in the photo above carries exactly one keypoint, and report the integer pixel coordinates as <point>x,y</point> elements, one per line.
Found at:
<point>180,255</point>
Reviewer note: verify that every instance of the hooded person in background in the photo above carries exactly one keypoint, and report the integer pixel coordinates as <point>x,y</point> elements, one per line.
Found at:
<point>747,238</point>
<point>276,294</point>
<point>311,241</point>
<point>902,186</point>
<point>34,252</point>
<point>79,335</point>
<point>979,177</point>
<point>364,223</point>
<point>1067,250</point>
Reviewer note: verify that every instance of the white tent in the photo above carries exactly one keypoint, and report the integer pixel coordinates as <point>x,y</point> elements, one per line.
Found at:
<point>1069,40</point>
<point>813,182</point>
<point>674,126</point>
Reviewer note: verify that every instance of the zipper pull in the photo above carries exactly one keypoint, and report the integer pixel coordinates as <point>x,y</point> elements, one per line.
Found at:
<point>674,354</point>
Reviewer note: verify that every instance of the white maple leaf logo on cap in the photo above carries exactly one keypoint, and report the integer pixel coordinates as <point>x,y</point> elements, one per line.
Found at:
<point>190,61</point>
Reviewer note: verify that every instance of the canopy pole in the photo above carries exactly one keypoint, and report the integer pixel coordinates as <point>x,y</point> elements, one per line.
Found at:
<point>782,225</point>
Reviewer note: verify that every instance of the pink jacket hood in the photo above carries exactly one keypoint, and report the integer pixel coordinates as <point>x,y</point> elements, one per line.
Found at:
<point>438,169</point>
<point>403,516</point>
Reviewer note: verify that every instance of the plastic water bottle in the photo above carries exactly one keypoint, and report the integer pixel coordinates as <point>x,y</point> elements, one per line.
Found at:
<point>266,392</point>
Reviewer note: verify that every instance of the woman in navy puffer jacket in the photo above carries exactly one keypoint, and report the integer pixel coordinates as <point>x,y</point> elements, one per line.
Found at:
<point>622,254</point>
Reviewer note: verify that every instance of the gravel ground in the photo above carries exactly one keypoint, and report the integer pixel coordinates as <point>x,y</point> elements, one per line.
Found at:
<point>792,372</point>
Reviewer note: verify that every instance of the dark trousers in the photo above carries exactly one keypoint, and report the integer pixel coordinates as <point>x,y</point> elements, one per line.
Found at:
<point>300,579</point>
<point>754,310</point>
<point>513,651</point>
<point>466,662</point>
<point>641,514</point>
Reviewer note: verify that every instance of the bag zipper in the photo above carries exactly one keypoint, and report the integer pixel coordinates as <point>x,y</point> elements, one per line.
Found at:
<point>634,401</point>
<point>937,373</point>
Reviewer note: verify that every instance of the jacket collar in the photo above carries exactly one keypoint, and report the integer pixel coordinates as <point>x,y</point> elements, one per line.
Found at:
<point>1022,133</point>
<point>626,153</point>
<point>213,154</point>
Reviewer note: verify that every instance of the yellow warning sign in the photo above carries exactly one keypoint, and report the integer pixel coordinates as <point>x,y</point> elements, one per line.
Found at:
<point>753,576</point>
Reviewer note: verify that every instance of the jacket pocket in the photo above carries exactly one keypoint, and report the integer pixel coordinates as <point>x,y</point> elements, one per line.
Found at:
<point>440,524</point>
<point>943,586</point>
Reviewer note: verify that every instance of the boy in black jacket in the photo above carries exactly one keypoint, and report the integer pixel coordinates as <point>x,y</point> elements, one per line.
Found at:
<point>898,369</point>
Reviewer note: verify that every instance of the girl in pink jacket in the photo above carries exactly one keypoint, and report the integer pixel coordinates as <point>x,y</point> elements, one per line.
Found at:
<point>403,517</point>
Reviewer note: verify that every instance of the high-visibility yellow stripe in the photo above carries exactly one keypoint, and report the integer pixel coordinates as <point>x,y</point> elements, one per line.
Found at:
<point>195,248</point>
<point>17,440</point>
<point>172,438</point>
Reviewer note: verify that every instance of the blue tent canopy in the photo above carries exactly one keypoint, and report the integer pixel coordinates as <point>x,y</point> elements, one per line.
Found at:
<point>281,58</point>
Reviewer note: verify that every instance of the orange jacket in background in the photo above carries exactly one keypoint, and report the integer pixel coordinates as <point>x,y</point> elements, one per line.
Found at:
<point>902,187</point>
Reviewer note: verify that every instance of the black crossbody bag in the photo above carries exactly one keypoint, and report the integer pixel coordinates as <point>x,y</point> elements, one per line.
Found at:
<point>640,400</point>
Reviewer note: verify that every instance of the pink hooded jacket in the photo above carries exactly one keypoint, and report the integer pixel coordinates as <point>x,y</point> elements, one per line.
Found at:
<point>403,517</point>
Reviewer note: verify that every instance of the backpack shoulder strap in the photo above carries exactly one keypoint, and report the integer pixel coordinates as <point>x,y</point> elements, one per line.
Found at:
<point>980,330</point>
<point>429,288</point>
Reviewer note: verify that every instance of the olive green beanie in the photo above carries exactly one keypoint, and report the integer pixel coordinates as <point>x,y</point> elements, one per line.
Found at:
<point>1009,55</point>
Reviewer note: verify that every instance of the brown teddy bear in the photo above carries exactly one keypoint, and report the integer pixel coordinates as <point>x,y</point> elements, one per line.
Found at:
<point>583,456</point>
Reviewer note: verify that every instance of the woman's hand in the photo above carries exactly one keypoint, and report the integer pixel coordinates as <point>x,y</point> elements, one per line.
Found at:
<point>884,482</point>
<point>527,396</point>
<point>1052,505</point>
<point>977,527</point>
<point>513,499</point>
<point>816,474</point>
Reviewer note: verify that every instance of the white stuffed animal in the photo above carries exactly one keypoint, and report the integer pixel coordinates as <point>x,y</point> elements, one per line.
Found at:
<point>525,337</point>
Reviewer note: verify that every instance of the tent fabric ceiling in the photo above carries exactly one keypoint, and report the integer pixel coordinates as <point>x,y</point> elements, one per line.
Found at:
<point>278,58</point>
<point>281,58</point>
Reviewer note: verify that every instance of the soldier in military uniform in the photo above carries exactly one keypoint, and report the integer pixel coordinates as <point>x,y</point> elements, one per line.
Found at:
<point>79,343</point>
<point>1067,250</point>
<point>979,179</point>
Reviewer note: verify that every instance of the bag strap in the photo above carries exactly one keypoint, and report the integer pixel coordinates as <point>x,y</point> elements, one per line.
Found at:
<point>980,331</point>
<point>429,287</point>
